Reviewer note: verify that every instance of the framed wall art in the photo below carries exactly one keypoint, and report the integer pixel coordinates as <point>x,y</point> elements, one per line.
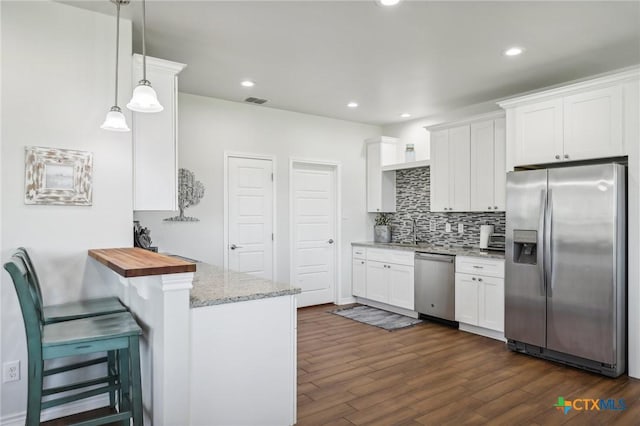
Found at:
<point>58,176</point>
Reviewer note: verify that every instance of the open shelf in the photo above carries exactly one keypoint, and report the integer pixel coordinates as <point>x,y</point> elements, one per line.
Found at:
<point>411,165</point>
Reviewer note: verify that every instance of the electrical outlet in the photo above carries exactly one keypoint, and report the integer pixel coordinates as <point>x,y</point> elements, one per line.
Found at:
<point>461,228</point>
<point>447,227</point>
<point>11,371</point>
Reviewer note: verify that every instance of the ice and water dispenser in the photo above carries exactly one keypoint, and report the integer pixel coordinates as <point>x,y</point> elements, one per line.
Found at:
<point>525,246</point>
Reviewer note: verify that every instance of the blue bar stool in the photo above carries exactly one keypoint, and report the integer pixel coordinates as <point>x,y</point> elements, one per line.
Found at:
<point>117,334</point>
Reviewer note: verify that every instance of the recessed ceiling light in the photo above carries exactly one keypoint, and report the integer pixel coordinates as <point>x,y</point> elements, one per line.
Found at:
<point>388,2</point>
<point>352,105</point>
<point>513,51</point>
<point>405,115</point>
<point>248,83</point>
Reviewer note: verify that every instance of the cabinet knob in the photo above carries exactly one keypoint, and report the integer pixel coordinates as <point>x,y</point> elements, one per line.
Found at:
<point>566,156</point>
<point>489,207</point>
<point>473,278</point>
<point>479,279</point>
<point>495,207</point>
<point>362,261</point>
<point>557,157</point>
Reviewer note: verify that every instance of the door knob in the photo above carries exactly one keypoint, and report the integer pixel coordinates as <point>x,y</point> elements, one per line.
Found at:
<point>233,247</point>
<point>330,241</point>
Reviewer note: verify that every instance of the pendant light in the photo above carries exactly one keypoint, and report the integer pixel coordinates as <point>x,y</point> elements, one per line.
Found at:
<point>115,120</point>
<point>144,98</point>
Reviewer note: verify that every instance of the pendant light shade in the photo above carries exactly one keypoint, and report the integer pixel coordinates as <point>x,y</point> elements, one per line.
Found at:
<point>115,120</point>
<point>144,98</point>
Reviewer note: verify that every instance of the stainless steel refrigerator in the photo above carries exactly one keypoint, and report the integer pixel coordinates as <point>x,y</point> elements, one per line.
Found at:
<point>565,287</point>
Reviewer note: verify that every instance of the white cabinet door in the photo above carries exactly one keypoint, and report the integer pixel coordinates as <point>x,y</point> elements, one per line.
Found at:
<point>155,140</point>
<point>539,133</point>
<point>381,186</point>
<point>377,282</point>
<point>359,278</point>
<point>482,166</point>
<point>459,168</point>
<point>466,299</point>
<point>439,171</point>
<point>499,165</point>
<point>400,279</point>
<point>491,303</point>
<point>593,124</point>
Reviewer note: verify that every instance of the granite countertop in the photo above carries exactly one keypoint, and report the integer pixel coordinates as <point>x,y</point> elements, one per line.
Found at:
<point>213,285</point>
<point>429,248</point>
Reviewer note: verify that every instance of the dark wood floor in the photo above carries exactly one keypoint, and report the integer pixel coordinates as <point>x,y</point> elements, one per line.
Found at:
<point>352,373</point>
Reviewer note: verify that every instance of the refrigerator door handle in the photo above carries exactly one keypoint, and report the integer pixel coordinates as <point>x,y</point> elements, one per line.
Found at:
<point>548,235</point>
<point>541,258</point>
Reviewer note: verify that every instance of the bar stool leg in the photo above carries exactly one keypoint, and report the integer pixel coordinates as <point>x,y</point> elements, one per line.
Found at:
<point>112,370</point>
<point>136,385</point>
<point>124,402</point>
<point>34,392</point>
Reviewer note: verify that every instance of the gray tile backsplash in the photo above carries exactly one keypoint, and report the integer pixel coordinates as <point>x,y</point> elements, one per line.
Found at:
<point>412,202</point>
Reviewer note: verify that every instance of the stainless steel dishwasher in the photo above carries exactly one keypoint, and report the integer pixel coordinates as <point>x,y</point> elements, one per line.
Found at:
<point>435,285</point>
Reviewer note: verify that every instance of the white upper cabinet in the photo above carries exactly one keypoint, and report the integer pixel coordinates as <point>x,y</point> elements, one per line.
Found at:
<point>468,169</point>
<point>539,132</point>
<point>450,156</point>
<point>593,124</point>
<point>580,121</point>
<point>155,139</point>
<point>381,185</point>
<point>440,171</point>
<point>488,174</point>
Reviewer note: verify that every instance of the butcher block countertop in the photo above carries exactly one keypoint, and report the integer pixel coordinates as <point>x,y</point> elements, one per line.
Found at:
<point>136,262</point>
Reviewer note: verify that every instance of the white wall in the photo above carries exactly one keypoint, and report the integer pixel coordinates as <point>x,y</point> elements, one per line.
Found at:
<point>413,131</point>
<point>209,127</point>
<point>57,84</point>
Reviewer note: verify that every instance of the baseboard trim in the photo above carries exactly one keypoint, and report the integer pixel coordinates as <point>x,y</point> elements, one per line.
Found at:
<point>91,403</point>
<point>390,308</point>
<point>346,301</point>
<point>498,335</point>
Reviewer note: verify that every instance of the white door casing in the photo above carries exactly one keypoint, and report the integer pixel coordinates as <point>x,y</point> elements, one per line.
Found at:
<point>249,214</point>
<point>314,225</point>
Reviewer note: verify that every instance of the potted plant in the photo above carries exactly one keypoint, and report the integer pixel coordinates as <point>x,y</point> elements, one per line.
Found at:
<point>382,229</point>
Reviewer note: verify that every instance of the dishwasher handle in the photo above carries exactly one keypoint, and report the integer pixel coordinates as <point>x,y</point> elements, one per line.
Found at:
<point>436,257</point>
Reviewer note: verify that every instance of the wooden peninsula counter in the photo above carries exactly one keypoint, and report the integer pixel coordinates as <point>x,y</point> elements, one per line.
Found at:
<point>215,342</point>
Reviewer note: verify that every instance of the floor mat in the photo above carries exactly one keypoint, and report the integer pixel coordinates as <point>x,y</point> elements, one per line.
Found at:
<point>377,317</point>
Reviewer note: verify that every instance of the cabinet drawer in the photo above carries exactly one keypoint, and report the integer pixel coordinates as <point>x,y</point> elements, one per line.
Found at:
<point>479,266</point>
<point>399,257</point>
<point>359,252</point>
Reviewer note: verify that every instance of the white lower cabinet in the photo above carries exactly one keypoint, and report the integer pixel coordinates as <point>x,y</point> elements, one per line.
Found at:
<point>479,297</point>
<point>359,277</point>
<point>400,281</point>
<point>385,276</point>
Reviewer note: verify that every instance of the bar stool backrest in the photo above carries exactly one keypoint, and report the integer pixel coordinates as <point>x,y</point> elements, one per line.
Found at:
<point>34,282</point>
<point>31,314</point>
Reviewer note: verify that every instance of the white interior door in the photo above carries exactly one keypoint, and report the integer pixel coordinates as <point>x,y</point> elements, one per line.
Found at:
<point>313,202</point>
<point>250,216</point>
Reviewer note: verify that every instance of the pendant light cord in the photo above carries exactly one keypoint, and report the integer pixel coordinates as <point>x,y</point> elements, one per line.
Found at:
<point>144,44</point>
<point>117,47</point>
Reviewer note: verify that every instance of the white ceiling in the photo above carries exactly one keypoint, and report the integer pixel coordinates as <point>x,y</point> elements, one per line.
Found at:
<point>420,57</point>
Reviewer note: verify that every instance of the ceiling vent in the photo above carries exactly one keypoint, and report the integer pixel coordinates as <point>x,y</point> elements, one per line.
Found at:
<point>253,100</point>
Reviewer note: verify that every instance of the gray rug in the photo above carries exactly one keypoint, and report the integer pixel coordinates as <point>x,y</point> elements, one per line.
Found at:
<point>377,317</point>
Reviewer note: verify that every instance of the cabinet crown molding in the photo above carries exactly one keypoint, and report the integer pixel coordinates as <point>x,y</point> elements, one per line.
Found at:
<point>628,74</point>
<point>468,120</point>
<point>162,64</point>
